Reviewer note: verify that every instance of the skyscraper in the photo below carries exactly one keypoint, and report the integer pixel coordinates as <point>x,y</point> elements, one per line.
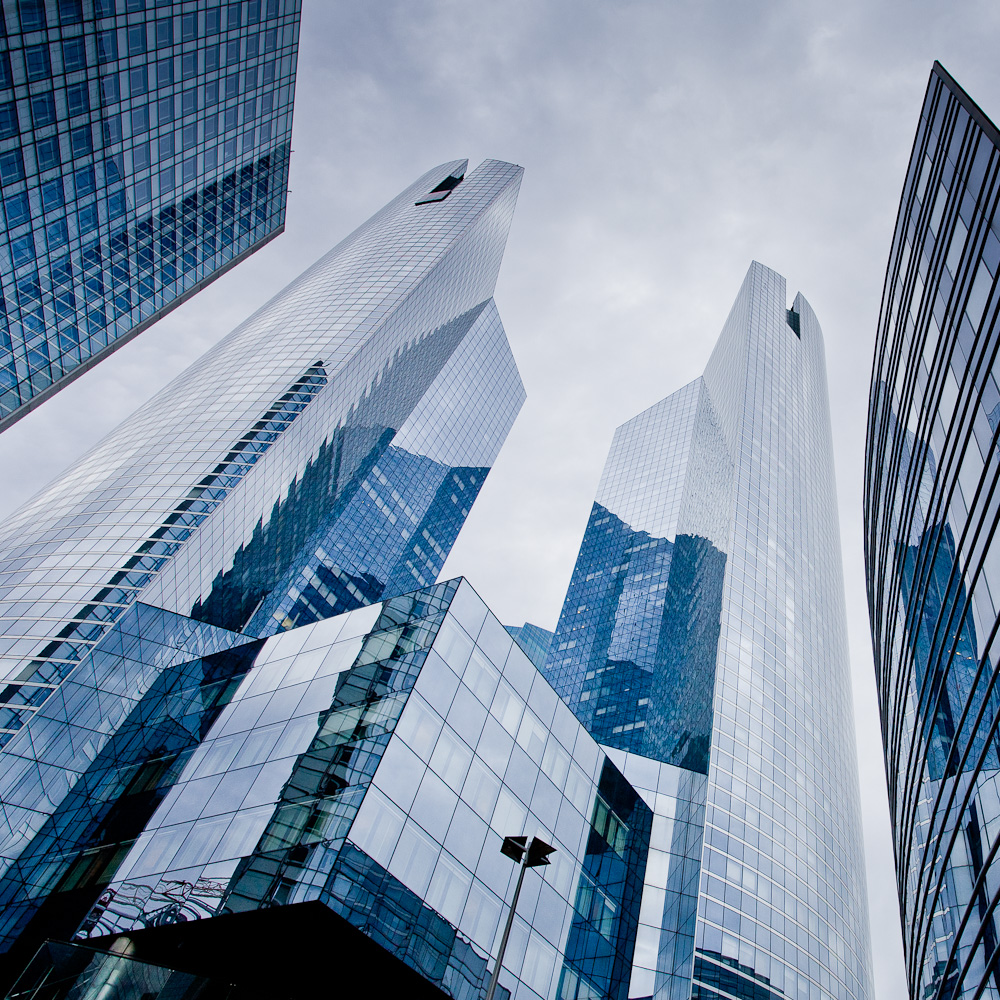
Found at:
<point>321,457</point>
<point>704,629</point>
<point>143,152</point>
<point>932,556</point>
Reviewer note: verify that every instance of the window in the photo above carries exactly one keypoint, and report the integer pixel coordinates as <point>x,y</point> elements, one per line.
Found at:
<point>36,61</point>
<point>8,120</point>
<point>77,98</point>
<point>32,14</point>
<point>137,39</point>
<point>85,182</point>
<point>43,109</point>
<point>189,102</point>
<point>138,81</point>
<point>74,53</point>
<point>52,195</point>
<point>23,250</point>
<point>81,141</point>
<point>70,11</point>
<point>47,151</point>
<point>189,27</point>
<point>165,72</point>
<point>107,46</point>
<point>17,210</point>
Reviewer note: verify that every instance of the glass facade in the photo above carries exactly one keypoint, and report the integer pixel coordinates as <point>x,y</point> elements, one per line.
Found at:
<point>321,457</point>
<point>704,631</point>
<point>534,640</point>
<point>373,762</point>
<point>143,151</point>
<point>931,507</point>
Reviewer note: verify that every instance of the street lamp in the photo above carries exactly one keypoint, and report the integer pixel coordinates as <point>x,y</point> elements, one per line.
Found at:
<point>527,854</point>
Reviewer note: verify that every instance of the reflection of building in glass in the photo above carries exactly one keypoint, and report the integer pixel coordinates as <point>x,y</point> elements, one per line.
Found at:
<point>704,631</point>
<point>930,525</point>
<point>321,457</point>
<point>371,763</point>
<point>143,152</point>
<point>534,640</point>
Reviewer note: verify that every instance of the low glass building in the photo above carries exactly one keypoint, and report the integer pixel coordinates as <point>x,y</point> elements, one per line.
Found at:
<point>932,555</point>
<point>143,151</point>
<point>372,762</point>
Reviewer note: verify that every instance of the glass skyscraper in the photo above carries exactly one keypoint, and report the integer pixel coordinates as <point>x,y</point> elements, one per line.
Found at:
<point>704,631</point>
<point>321,457</point>
<point>932,557</point>
<point>143,151</point>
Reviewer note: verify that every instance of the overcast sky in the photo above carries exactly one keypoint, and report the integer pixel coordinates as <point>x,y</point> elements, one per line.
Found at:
<point>666,144</point>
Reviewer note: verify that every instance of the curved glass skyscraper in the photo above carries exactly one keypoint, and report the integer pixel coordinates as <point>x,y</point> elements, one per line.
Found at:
<point>933,563</point>
<point>704,628</point>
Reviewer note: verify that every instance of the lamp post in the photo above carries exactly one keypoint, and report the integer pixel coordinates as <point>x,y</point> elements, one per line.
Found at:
<point>527,854</point>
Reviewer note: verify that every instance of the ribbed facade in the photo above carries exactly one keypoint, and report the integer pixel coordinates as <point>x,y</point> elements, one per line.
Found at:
<point>931,509</point>
<point>143,151</point>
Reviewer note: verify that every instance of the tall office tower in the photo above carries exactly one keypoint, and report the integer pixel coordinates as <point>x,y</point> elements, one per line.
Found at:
<point>704,629</point>
<point>932,555</point>
<point>143,152</point>
<point>321,457</point>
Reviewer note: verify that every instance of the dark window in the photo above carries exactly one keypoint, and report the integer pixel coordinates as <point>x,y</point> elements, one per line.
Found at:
<point>112,129</point>
<point>140,155</point>
<point>17,210</point>
<point>165,110</point>
<point>211,126</point>
<point>233,20</point>
<point>107,46</point>
<point>52,195</point>
<point>132,6</point>
<point>137,39</point>
<point>81,141</point>
<point>56,234</point>
<point>211,57</point>
<point>166,146</point>
<point>270,40</point>
<point>70,11</point>
<point>78,98</point>
<point>43,109</point>
<point>85,182</point>
<point>32,14</point>
<point>36,61</point>
<point>272,8</point>
<point>88,218</point>
<point>165,72</point>
<point>253,12</point>
<point>47,151</point>
<point>109,88</point>
<point>213,20</point>
<point>140,120</point>
<point>8,120</point>
<point>105,8</point>
<point>74,52</point>
<point>189,27</point>
<point>189,137</point>
<point>269,72</point>
<point>189,65</point>
<point>232,86</point>
<point>232,52</point>
<point>112,173</point>
<point>138,81</point>
<point>211,94</point>
<point>5,79</point>
<point>23,249</point>
<point>253,45</point>
<point>189,101</point>
<point>164,32</point>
